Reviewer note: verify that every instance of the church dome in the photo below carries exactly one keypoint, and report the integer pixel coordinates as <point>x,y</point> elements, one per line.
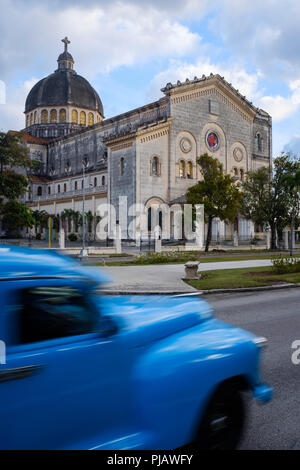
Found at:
<point>62,102</point>
<point>61,88</point>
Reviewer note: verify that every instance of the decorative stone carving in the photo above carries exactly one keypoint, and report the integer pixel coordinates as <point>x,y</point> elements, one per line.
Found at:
<point>185,145</point>
<point>238,154</point>
<point>191,270</point>
<point>212,141</point>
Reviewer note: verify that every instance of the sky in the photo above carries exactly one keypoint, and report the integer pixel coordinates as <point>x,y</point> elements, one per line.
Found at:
<point>130,49</point>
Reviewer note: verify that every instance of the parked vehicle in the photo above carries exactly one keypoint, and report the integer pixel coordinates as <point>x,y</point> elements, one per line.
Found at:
<point>87,371</point>
<point>3,234</point>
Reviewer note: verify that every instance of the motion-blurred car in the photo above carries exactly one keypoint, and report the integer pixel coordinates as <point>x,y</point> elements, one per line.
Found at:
<point>85,371</point>
<point>3,234</point>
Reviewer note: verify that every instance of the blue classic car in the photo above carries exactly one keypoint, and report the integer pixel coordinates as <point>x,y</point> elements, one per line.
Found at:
<point>86,371</point>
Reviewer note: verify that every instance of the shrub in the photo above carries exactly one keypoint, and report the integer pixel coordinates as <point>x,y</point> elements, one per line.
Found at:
<point>285,264</point>
<point>72,237</point>
<point>165,257</point>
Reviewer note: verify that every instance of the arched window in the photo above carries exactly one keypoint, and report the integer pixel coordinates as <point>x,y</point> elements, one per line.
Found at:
<point>155,166</point>
<point>35,117</point>
<point>160,219</point>
<point>182,169</point>
<point>242,174</point>
<point>82,184</point>
<point>58,188</point>
<point>31,119</point>
<point>44,116</point>
<point>49,190</point>
<point>68,167</point>
<point>65,188</point>
<point>74,116</point>
<point>95,182</point>
<point>90,119</point>
<point>62,115</point>
<point>122,166</point>
<point>82,118</point>
<point>75,185</point>
<point>235,172</point>
<point>53,115</point>
<point>103,181</point>
<point>149,219</point>
<point>258,141</point>
<point>39,191</point>
<point>189,170</point>
<point>27,120</point>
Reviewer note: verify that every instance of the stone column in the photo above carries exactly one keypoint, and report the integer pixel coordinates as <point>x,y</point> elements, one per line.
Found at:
<point>268,239</point>
<point>138,238</point>
<point>235,238</point>
<point>199,225</point>
<point>118,241</point>
<point>157,234</point>
<point>62,239</point>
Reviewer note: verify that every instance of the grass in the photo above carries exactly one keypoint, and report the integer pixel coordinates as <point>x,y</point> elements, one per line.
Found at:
<point>183,257</point>
<point>234,278</point>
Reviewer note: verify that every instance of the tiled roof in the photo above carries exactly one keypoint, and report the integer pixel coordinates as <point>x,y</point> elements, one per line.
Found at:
<point>37,140</point>
<point>39,179</point>
<point>31,138</point>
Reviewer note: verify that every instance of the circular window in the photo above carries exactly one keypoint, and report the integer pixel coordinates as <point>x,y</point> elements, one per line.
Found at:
<point>185,145</point>
<point>238,154</point>
<point>212,141</point>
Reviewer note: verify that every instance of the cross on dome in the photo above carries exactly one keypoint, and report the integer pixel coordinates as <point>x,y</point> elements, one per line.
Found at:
<point>66,42</point>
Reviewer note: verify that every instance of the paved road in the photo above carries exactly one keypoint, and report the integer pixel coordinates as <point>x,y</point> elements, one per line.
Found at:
<point>167,277</point>
<point>275,315</point>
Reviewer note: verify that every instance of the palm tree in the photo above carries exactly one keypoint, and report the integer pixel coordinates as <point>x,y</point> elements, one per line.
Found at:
<point>67,214</point>
<point>40,220</point>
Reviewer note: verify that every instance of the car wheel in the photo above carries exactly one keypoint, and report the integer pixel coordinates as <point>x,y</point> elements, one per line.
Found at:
<point>223,423</point>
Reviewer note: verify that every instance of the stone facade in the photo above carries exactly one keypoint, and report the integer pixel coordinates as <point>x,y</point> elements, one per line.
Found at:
<point>149,154</point>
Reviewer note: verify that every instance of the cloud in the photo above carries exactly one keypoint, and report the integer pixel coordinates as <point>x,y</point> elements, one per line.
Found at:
<point>293,146</point>
<point>246,83</point>
<point>281,107</point>
<point>12,112</point>
<point>105,35</point>
<point>263,32</point>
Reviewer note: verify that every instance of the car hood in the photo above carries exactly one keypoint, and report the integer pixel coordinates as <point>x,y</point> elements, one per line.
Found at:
<point>144,319</point>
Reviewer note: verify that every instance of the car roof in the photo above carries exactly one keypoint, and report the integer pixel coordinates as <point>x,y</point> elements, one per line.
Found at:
<point>23,263</point>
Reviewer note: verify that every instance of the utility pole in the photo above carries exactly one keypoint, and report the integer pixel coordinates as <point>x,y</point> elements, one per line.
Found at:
<point>83,251</point>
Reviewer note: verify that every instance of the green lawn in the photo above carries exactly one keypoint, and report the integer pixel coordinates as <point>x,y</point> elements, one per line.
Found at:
<point>183,257</point>
<point>245,277</point>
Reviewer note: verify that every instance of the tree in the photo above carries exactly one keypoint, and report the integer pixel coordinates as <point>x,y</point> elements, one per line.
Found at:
<point>13,156</point>
<point>67,214</point>
<point>217,191</point>
<point>15,216</point>
<point>13,152</point>
<point>267,198</point>
<point>40,219</point>
<point>293,184</point>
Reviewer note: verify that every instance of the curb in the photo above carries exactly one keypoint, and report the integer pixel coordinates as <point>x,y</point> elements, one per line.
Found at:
<point>140,292</point>
<point>202,292</point>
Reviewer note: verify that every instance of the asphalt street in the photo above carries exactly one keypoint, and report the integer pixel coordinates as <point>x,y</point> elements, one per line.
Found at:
<point>275,315</point>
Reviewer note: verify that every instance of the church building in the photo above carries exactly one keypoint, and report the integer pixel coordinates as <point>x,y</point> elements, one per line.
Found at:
<point>148,154</point>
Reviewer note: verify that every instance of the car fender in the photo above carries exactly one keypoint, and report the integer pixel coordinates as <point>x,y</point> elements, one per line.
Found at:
<point>175,377</point>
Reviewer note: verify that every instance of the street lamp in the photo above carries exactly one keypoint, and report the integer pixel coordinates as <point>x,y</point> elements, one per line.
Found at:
<point>83,251</point>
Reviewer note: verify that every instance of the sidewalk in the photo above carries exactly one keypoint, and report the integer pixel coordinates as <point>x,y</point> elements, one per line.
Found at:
<point>165,278</point>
